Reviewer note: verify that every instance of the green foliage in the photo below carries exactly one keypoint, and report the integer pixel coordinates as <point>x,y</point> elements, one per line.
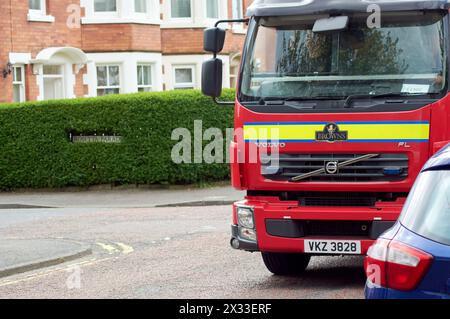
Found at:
<point>36,152</point>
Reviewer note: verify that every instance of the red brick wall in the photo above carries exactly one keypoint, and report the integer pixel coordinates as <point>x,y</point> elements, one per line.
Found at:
<point>5,48</point>
<point>121,37</point>
<point>32,37</point>
<point>31,88</point>
<point>35,36</point>
<point>80,89</point>
<point>190,41</point>
<point>19,35</point>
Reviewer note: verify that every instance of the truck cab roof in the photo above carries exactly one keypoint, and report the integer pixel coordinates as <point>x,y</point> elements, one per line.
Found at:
<point>266,8</point>
<point>440,161</point>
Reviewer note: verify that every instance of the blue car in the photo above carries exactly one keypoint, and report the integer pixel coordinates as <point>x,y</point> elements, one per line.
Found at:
<point>412,260</point>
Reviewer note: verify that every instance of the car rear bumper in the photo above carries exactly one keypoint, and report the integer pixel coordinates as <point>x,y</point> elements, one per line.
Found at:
<point>375,292</point>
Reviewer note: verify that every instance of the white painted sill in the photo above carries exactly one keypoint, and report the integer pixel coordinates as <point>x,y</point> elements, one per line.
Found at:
<point>40,18</point>
<point>120,21</point>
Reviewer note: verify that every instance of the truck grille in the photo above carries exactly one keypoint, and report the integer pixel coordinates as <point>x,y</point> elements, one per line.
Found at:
<point>382,168</point>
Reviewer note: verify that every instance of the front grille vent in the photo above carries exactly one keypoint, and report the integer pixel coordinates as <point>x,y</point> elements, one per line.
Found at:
<point>382,168</point>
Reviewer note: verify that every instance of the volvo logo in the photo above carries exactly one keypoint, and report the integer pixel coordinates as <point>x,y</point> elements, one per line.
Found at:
<point>332,168</point>
<point>331,134</point>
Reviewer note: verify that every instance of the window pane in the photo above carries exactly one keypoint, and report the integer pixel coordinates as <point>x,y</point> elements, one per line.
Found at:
<point>140,72</point>
<point>144,75</point>
<point>52,70</point>
<point>102,92</point>
<point>101,76</point>
<point>35,4</point>
<point>147,75</point>
<point>212,9</point>
<point>237,9</point>
<point>17,75</point>
<point>183,75</point>
<point>181,8</point>
<point>105,5</point>
<point>140,6</point>
<point>114,76</point>
<point>144,89</point>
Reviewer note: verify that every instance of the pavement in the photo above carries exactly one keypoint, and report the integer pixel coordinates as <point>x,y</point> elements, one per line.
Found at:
<point>133,198</point>
<point>21,255</point>
<point>151,252</point>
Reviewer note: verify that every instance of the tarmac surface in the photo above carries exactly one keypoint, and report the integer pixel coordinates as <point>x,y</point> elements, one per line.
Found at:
<point>154,252</point>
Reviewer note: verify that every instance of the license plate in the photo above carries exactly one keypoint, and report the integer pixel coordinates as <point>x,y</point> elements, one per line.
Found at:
<point>346,247</point>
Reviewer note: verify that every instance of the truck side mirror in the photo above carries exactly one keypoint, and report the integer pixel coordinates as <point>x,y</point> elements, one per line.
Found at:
<point>212,77</point>
<point>214,40</point>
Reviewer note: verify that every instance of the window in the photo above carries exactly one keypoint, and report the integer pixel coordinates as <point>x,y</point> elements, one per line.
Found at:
<point>19,84</point>
<point>140,6</point>
<point>180,8</point>
<point>212,9</point>
<point>427,210</point>
<point>37,11</point>
<point>184,77</point>
<point>144,73</point>
<point>105,5</point>
<point>108,79</point>
<point>238,9</point>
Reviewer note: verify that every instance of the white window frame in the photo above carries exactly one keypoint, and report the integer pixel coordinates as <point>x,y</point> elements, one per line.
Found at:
<point>42,10</point>
<point>108,65</point>
<point>238,27</point>
<point>106,14</point>
<point>218,10</point>
<point>40,15</point>
<point>148,7</point>
<point>234,7</point>
<point>181,20</point>
<point>191,85</point>
<point>125,13</point>
<point>152,75</point>
<point>222,13</point>
<point>21,84</point>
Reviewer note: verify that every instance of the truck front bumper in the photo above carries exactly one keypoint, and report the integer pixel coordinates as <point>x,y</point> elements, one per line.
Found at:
<point>239,243</point>
<point>283,227</point>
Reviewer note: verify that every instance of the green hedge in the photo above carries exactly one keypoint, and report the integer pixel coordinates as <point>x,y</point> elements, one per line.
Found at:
<point>36,152</point>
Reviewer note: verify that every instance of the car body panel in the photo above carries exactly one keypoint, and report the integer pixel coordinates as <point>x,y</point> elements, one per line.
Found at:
<point>436,282</point>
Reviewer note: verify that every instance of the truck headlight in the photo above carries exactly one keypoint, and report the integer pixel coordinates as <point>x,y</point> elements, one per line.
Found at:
<point>245,217</point>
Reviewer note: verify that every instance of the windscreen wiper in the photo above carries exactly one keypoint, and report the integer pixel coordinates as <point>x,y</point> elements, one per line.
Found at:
<point>350,98</point>
<point>283,101</point>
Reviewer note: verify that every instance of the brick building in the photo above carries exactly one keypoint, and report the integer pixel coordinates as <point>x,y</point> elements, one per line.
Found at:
<point>75,48</point>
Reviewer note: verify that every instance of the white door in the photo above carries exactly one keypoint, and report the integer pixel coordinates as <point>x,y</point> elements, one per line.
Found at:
<point>54,82</point>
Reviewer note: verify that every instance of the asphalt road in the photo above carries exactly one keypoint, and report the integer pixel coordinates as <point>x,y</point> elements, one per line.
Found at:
<point>162,253</point>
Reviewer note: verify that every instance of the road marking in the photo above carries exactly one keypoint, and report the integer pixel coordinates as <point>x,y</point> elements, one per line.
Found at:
<point>45,273</point>
<point>109,248</point>
<point>125,248</point>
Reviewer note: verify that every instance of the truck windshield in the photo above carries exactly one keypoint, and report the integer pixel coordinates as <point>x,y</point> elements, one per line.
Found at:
<point>286,60</point>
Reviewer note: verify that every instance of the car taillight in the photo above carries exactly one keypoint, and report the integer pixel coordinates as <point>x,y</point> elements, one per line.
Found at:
<point>395,265</point>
